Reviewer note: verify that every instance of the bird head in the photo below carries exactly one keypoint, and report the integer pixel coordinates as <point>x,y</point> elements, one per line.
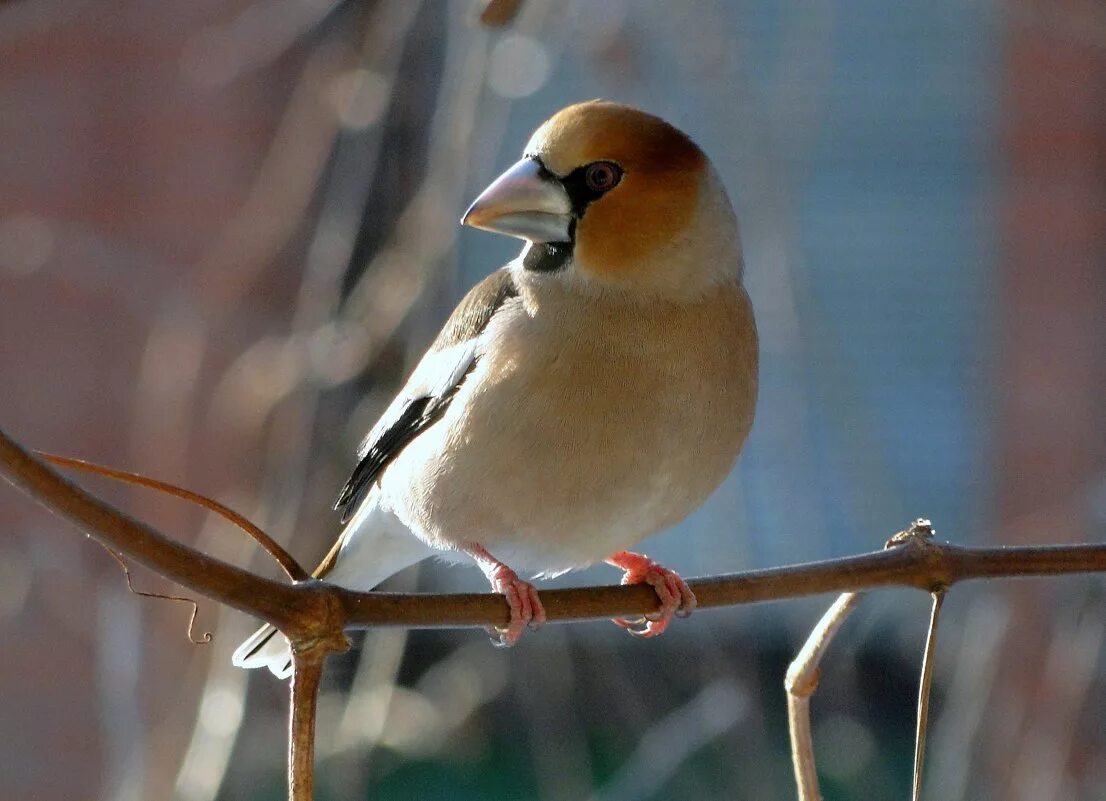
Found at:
<point>615,200</point>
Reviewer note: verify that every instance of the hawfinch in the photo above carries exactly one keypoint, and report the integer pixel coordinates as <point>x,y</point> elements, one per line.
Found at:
<point>585,396</point>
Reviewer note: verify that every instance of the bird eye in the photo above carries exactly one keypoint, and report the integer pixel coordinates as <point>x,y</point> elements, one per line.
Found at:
<point>602,176</point>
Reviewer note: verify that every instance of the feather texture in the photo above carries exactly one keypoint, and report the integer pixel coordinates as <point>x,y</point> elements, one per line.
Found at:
<point>427,395</point>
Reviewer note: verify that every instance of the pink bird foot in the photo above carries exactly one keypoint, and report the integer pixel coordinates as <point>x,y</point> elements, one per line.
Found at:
<point>522,598</point>
<point>675,596</point>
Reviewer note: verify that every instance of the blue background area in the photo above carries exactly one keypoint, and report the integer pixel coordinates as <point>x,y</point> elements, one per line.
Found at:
<point>855,141</point>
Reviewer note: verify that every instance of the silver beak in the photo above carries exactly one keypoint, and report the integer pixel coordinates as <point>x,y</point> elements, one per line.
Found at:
<point>523,202</point>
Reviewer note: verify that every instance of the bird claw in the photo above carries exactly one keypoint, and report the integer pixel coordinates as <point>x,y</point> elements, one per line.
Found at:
<point>637,627</point>
<point>677,599</point>
<point>498,636</point>
<point>526,607</point>
<point>522,599</point>
<point>643,628</point>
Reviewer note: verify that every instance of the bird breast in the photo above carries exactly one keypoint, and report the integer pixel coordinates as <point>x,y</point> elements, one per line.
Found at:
<point>585,426</point>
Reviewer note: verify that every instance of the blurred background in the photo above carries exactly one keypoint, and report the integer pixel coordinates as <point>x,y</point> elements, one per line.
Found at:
<point>227,230</point>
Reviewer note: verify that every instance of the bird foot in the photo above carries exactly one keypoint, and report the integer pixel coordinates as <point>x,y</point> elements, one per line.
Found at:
<point>522,598</point>
<point>526,607</point>
<point>677,599</point>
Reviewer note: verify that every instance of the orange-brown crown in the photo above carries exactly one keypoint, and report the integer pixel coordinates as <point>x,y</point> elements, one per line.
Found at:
<point>598,130</point>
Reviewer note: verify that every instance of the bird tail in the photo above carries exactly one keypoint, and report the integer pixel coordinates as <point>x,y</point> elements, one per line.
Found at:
<point>266,647</point>
<point>373,546</point>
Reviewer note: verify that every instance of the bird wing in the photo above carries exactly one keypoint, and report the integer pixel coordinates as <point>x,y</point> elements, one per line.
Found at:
<point>427,394</point>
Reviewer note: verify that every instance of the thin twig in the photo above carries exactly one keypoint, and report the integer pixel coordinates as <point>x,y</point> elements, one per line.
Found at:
<point>287,562</point>
<point>800,683</point>
<point>276,602</point>
<point>924,688</point>
<point>203,640</point>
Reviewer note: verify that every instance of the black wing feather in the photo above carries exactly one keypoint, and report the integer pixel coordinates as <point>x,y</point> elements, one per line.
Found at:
<point>417,415</point>
<point>467,322</point>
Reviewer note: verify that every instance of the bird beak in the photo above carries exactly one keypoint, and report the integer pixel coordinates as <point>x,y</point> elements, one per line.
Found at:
<point>525,201</point>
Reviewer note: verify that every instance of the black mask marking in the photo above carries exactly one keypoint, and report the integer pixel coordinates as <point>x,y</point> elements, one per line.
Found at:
<point>548,257</point>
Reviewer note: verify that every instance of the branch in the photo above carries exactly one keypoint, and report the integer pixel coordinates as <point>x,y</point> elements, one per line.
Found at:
<point>800,683</point>
<point>314,615</point>
<point>304,690</point>
<point>923,565</point>
<point>275,602</point>
<point>310,609</point>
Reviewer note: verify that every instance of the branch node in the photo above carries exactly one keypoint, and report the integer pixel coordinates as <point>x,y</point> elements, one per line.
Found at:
<point>920,532</point>
<point>319,625</point>
<point>800,683</point>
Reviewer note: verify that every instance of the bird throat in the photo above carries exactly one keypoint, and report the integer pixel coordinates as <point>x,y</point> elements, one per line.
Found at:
<point>547,257</point>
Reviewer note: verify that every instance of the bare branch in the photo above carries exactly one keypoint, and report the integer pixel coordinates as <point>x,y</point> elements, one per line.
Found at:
<point>306,673</point>
<point>922,566</point>
<point>801,682</point>
<point>275,602</point>
<point>313,615</point>
<point>298,609</point>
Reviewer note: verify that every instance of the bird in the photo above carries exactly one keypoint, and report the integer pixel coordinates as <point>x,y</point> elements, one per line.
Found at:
<point>592,392</point>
